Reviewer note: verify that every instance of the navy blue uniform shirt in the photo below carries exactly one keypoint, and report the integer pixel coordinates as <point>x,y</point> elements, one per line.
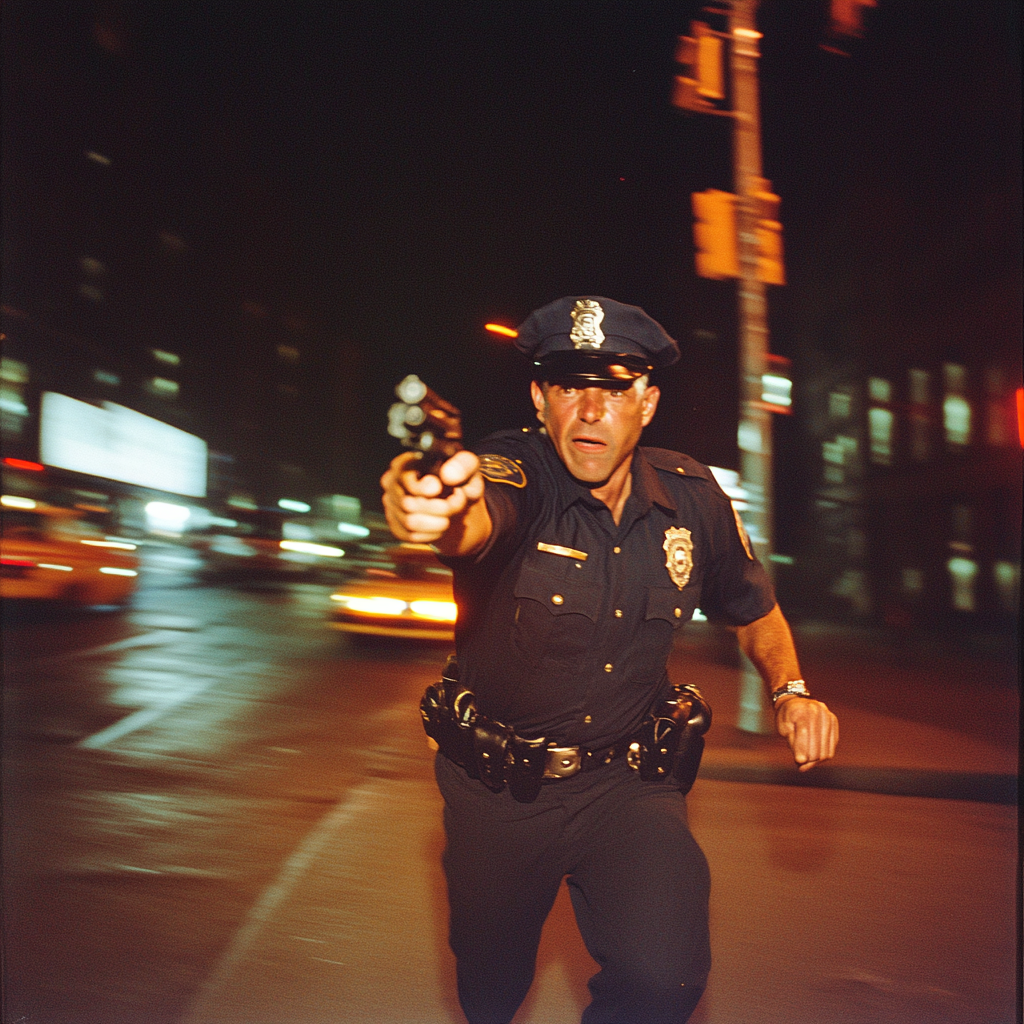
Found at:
<point>566,620</point>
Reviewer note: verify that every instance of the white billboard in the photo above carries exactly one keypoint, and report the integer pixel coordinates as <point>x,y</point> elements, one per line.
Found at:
<point>120,444</point>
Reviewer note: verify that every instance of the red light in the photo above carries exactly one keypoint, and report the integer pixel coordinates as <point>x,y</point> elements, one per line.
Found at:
<point>1020,415</point>
<point>21,563</point>
<point>36,467</point>
<point>508,332</point>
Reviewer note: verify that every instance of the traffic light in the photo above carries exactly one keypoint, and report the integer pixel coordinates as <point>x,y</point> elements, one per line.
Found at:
<point>701,86</point>
<point>714,234</point>
<point>770,268</point>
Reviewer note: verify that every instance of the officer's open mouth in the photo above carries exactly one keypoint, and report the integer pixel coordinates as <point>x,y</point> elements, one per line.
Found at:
<point>589,444</point>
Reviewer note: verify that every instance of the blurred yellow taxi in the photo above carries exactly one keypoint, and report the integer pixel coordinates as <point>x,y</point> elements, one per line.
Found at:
<point>49,553</point>
<point>408,595</point>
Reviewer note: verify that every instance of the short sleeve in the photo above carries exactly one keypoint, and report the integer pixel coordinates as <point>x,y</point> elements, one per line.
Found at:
<point>737,588</point>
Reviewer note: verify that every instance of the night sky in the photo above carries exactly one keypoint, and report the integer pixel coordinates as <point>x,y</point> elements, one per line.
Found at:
<point>395,175</point>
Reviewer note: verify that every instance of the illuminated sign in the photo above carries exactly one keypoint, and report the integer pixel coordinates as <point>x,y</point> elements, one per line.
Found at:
<point>117,443</point>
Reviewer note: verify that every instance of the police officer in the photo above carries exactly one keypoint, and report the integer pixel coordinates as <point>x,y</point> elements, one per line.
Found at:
<point>577,555</point>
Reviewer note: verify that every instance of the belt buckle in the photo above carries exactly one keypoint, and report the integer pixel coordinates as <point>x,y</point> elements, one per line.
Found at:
<point>561,762</point>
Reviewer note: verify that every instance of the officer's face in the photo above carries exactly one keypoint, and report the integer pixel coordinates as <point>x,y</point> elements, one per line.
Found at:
<point>594,430</point>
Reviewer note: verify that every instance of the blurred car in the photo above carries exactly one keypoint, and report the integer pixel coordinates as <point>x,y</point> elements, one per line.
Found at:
<point>408,595</point>
<point>49,553</point>
<point>255,544</point>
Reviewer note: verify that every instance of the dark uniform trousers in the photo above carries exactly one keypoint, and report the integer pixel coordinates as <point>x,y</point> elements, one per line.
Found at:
<point>639,884</point>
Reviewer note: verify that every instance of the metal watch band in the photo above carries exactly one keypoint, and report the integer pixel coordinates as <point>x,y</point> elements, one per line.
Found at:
<point>794,688</point>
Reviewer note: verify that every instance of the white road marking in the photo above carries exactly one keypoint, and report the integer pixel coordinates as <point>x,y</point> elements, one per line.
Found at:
<point>145,716</point>
<point>361,799</point>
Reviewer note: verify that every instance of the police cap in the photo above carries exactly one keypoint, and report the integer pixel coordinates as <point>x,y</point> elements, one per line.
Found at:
<point>593,341</point>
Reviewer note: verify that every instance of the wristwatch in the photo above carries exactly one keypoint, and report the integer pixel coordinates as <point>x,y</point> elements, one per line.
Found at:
<point>794,688</point>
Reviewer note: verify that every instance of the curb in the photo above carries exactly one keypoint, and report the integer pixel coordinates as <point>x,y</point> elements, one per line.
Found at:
<point>980,787</point>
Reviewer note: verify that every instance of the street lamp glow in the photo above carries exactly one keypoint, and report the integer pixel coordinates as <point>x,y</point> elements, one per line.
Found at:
<point>508,332</point>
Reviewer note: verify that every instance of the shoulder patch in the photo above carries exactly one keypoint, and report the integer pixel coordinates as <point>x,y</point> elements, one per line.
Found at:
<point>501,470</point>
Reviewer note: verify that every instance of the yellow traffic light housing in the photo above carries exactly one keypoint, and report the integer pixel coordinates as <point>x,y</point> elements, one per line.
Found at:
<point>770,266</point>
<point>714,234</point>
<point>701,87</point>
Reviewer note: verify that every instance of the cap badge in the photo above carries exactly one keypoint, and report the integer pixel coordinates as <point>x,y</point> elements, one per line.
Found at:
<point>678,555</point>
<point>586,331</point>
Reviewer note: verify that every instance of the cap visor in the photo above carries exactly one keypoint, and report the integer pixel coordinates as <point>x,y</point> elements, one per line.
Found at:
<point>590,369</point>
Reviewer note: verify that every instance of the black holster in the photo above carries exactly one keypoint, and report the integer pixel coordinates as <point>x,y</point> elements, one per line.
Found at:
<point>671,739</point>
<point>487,750</point>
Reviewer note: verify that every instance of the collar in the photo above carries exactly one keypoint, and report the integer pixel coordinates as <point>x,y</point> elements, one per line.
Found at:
<point>647,489</point>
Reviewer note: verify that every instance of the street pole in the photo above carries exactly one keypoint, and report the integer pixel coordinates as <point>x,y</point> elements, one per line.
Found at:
<point>754,433</point>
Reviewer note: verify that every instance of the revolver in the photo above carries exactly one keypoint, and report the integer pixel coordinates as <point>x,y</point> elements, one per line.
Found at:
<point>423,421</point>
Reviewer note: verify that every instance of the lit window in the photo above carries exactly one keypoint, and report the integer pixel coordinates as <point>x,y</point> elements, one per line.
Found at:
<point>839,405</point>
<point>920,428</point>
<point>13,370</point>
<point>162,387</point>
<point>12,402</point>
<point>962,574</point>
<point>838,455</point>
<point>288,353</point>
<point>880,433</point>
<point>956,418</point>
<point>90,292</point>
<point>106,377</point>
<point>93,266</point>
<point>913,581</point>
<point>879,389</point>
<point>1006,576</point>
<point>956,410</point>
<point>168,358</point>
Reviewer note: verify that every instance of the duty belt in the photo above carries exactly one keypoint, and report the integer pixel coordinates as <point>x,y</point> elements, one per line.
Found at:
<point>668,744</point>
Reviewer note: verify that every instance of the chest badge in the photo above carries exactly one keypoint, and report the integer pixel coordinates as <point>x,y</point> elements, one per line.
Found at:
<point>678,555</point>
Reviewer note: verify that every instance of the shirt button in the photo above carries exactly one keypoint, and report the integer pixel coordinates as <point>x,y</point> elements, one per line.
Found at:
<point>587,719</point>
<point>679,613</point>
<point>617,550</point>
<point>608,667</point>
<point>618,613</point>
<point>557,599</point>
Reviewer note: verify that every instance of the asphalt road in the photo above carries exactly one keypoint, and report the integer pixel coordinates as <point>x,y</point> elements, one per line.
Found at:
<point>216,809</point>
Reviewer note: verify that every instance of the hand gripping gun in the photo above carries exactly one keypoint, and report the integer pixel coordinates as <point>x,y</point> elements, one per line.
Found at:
<point>423,421</point>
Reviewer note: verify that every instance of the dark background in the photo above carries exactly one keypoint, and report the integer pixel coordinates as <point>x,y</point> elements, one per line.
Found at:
<point>373,182</point>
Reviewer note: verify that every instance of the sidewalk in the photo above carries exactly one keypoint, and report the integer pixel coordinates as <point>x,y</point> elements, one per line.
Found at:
<point>353,929</point>
<point>912,723</point>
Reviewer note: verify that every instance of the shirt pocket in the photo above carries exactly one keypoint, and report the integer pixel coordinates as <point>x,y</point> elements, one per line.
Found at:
<point>671,604</point>
<point>555,617</point>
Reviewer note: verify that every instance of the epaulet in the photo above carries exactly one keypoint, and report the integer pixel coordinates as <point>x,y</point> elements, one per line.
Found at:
<point>676,463</point>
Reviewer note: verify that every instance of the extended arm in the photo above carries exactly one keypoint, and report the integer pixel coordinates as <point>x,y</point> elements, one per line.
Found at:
<point>811,730</point>
<point>417,510</point>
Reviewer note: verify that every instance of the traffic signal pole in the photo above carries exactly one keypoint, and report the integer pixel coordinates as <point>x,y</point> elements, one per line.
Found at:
<point>739,235</point>
<point>754,433</point>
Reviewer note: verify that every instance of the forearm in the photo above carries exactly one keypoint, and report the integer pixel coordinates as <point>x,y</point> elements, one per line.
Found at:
<point>768,643</point>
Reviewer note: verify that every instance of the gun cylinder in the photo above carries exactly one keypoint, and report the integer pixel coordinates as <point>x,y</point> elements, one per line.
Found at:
<point>411,390</point>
